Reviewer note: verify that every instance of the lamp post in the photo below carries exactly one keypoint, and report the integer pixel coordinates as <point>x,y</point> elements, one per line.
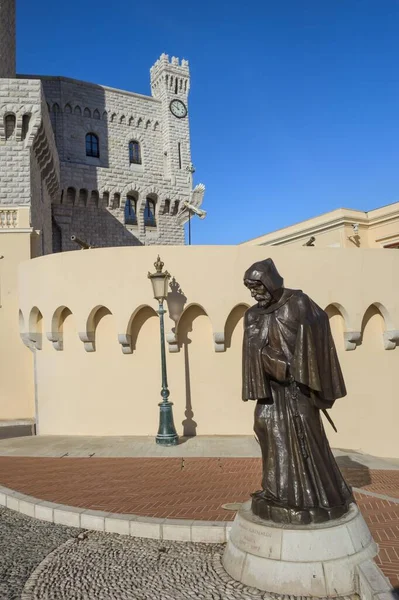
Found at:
<point>167,435</point>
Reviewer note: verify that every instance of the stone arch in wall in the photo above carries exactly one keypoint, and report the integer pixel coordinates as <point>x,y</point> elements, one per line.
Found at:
<point>35,327</point>
<point>26,120</point>
<point>235,317</point>
<point>55,335</point>
<point>70,197</point>
<point>151,193</point>
<point>167,203</point>
<point>87,112</point>
<point>88,337</point>
<point>34,125</point>
<point>82,198</point>
<point>94,199</point>
<point>116,201</point>
<point>164,204</point>
<point>372,328</point>
<point>96,114</point>
<point>185,321</point>
<point>338,319</point>
<point>10,122</point>
<point>138,318</point>
<point>104,202</point>
<point>151,210</point>
<point>77,111</point>
<point>377,328</point>
<point>106,192</point>
<point>68,109</point>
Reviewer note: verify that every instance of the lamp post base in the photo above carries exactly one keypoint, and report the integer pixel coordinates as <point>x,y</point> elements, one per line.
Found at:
<point>167,435</point>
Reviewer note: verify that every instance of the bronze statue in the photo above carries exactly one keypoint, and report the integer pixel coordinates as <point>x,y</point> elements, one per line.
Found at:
<point>290,366</point>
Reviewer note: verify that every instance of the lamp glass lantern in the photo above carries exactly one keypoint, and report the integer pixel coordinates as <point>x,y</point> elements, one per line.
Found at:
<point>160,281</point>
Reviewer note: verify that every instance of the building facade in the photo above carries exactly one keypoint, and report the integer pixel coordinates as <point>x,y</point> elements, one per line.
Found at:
<point>108,166</point>
<point>341,228</point>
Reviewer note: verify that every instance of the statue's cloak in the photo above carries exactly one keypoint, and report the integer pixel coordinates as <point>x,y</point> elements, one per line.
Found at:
<point>291,337</point>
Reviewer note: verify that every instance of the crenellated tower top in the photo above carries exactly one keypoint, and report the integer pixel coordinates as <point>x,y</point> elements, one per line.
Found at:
<point>7,39</point>
<point>170,75</point>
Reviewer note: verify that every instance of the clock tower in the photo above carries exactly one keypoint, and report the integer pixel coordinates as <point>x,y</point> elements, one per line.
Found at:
<point>170,83</point>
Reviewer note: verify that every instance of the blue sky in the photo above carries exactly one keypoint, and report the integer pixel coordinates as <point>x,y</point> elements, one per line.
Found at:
<point>294,104</point>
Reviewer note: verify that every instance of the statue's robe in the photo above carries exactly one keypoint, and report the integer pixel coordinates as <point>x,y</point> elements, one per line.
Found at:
<point>291,368</point>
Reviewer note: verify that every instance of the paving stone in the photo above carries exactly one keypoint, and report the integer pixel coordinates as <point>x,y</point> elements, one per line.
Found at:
<point>24,543</point>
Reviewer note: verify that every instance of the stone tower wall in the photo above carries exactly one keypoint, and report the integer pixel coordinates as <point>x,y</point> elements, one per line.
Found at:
<point>117,117</point>
<point>7,38</point>
<point>29,173</point>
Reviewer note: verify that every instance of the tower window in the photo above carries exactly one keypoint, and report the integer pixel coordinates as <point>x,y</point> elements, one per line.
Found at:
<point>134,153</point>
<point>149,213</point>
<point>92,145</point>
<point>179,153</point>
<point>9,126</point>
<point>131,211</point>
<point>116,202</point>
<point>25,126</point>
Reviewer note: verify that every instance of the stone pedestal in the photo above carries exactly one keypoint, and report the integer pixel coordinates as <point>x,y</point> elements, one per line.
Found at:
<point>314,560</point>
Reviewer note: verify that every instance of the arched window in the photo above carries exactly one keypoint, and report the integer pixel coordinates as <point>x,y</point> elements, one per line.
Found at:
<point>82,197</point>
<point>94,199</point>
<point>9,126</point>
<point>131,210</point>
<point>70,196</point>
<point>92,145</point>
<point>116,203</point>
<point>25,126</point>
<point>105,199</point>
<point>134,153</point>
<point>149,213</point>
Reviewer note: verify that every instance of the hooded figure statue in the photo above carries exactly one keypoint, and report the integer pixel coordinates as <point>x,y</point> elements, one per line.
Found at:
<point>290,366</point>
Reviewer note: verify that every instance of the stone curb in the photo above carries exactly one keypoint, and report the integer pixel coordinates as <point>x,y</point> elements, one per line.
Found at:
<point>179,530</point>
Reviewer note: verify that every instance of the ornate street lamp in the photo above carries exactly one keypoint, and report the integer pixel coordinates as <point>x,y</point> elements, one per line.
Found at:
<point>167,435</point>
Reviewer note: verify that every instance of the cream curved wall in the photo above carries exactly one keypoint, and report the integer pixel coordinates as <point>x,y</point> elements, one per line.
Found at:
<point>90,317</point>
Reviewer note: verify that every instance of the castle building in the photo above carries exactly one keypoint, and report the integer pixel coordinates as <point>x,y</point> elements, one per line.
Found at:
<point>109,166</point>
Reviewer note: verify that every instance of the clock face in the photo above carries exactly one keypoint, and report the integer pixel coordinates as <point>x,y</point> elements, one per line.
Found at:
<point>178,109</point>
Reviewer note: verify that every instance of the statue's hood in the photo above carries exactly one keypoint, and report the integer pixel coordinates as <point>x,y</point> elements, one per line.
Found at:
<point>265,271</point>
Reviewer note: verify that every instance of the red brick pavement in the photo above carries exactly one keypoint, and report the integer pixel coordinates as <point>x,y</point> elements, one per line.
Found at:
<point>191,488</point>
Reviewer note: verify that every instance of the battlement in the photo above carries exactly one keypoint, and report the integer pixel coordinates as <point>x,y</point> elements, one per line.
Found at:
<point>171,74</point>
<point>164,62</point>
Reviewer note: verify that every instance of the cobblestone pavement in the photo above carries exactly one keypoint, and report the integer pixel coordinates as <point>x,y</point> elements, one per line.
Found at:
<point>41,561</point>
<point>191,488</point>
<point>24,543</point>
